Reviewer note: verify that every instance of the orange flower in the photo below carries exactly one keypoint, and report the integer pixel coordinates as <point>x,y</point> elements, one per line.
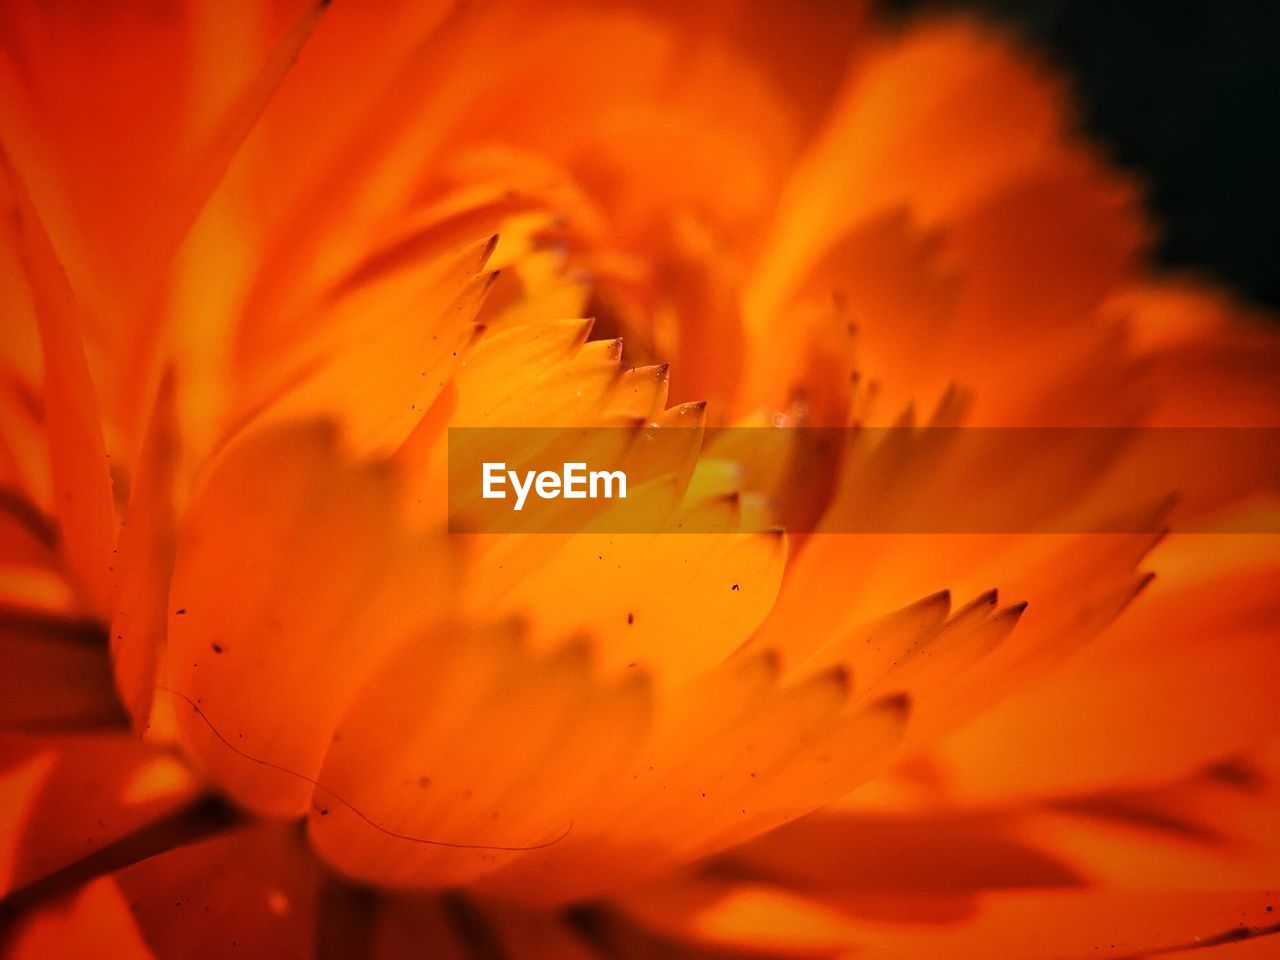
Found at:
<point>259,701</point>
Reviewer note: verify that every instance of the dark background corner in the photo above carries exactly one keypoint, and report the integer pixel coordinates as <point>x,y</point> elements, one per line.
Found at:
<point>1187,96</point>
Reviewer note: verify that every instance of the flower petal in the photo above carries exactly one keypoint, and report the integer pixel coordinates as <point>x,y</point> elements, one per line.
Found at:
<point>77,453</point>
<point>252,889</point>
<point>294,577</point>
<point>57,676</point>
<point>95,921</point>
<point>73,795</point>
<point>508,758</point>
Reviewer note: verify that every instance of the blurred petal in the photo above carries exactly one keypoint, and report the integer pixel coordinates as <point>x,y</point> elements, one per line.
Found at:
<point>1134,708</point>
<point>292,568</point>
<point>73,795</point>
<point>57,676</point>
<point>148,540</point>
<point>251,890</point>
<point>514,751</point>
<point>95,921</point>
<point>77,453</point>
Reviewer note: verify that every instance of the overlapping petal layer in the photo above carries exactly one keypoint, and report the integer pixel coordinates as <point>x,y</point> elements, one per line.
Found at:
<point>240,322</point>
